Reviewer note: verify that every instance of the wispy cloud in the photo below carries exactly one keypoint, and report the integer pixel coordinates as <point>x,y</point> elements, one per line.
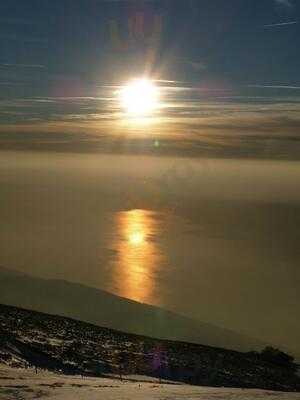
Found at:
<point>281,24</point>
<point>22,38</point>
<point>8,65</point>
<point>287,87</point>
<point>195,65</point>
<point>285,3</point>
<point>12,83</point>
<point>18,21</point>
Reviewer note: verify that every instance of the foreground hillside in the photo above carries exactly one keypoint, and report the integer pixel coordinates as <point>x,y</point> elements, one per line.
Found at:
<point>54,343</point>
<point>26,385</point>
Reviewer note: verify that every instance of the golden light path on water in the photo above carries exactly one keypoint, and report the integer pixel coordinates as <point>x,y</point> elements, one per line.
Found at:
<point>138,253</point>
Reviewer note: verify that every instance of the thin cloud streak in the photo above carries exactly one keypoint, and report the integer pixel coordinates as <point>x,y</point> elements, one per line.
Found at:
<point>285,3</point>
<point>281,24</point>
<point>7,65</point>
<point>275,87</point>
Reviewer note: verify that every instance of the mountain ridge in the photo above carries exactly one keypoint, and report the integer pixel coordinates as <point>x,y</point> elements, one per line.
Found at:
<point>74,300</point>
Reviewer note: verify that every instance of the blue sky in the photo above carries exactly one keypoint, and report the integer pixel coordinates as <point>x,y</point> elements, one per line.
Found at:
<point>234,66</point>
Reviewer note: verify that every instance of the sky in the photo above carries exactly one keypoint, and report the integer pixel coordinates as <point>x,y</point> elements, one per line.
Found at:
<point>223,68</point>
<point>220,154</point>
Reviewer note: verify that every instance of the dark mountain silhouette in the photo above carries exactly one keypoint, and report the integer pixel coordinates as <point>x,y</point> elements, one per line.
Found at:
<point>107,310</point>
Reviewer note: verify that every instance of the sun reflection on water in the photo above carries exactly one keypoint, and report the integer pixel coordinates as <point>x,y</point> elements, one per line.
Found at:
<point>138,253</point>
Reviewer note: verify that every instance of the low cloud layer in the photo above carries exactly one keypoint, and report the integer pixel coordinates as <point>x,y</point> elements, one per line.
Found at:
<point>258,122</point>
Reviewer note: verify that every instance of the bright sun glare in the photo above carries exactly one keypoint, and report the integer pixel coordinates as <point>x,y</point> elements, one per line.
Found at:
<point>139,97</point>
<point>136,238</point>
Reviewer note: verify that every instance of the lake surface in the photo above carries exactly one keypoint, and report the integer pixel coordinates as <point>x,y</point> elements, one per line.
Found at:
<point>216,240</point>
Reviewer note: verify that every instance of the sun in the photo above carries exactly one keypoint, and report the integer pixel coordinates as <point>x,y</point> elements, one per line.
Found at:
<point>139,97</point>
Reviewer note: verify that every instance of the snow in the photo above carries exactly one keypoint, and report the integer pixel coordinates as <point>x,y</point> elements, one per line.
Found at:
<point>25,384</point>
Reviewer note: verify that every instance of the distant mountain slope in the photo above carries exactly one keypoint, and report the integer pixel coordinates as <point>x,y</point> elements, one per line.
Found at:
<point>28,338</point>
<point>107,310</point>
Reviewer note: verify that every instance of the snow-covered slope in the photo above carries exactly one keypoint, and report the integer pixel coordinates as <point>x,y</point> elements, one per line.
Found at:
<point>26,385</point>
<point>29,338</point>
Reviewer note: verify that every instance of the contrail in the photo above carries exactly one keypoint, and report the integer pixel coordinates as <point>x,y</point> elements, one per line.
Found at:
<point>275,87</point>
<point>22,65</point>
<point>281,24</point>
